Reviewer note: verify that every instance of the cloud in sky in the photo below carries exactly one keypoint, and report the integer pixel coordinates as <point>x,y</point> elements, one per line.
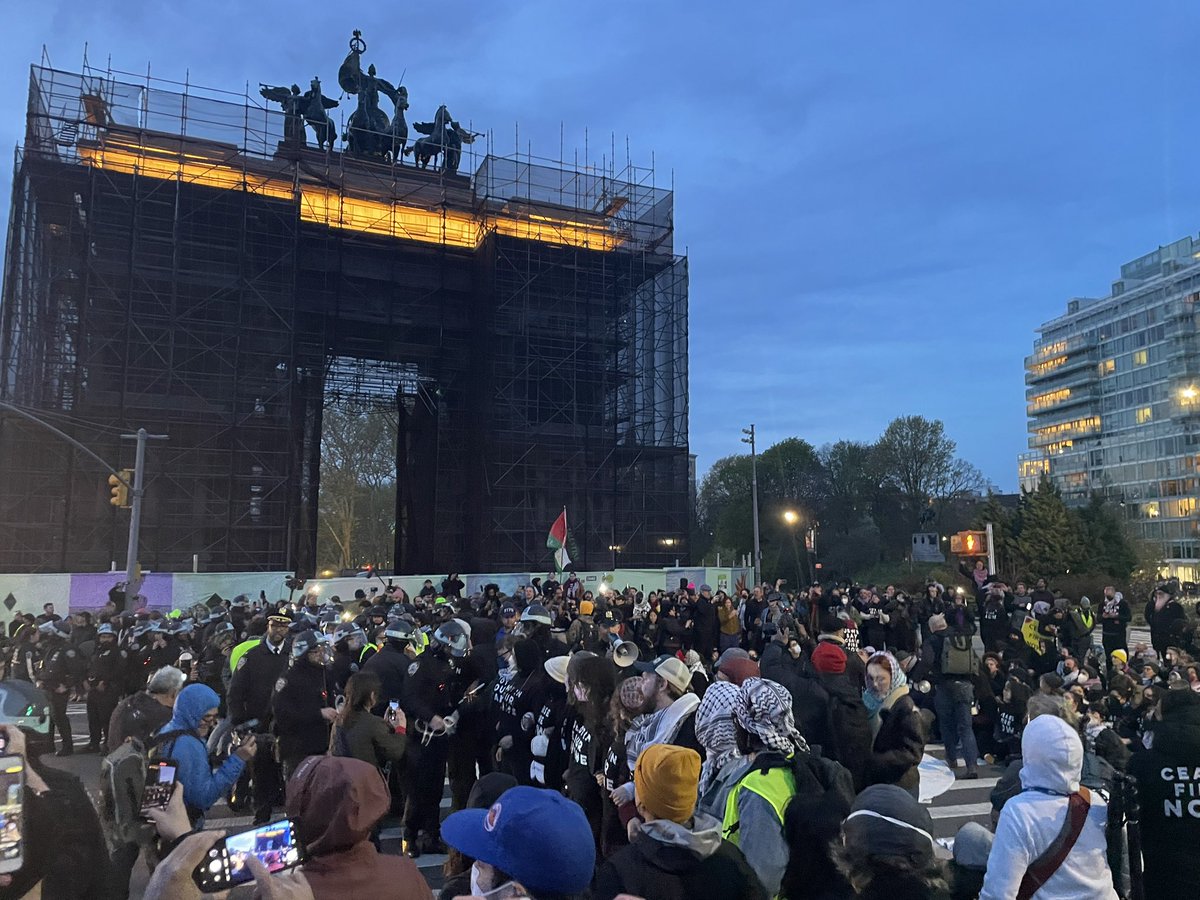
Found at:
<point>880,201</point>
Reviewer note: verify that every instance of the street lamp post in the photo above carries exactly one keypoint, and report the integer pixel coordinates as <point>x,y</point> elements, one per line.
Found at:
<point>749,439</point>
<point>792,518</point>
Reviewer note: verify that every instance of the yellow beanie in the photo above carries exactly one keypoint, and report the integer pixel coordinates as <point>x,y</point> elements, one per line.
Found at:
<point>667,778</point>
<point>586,607</point>
<point>1120,655</point>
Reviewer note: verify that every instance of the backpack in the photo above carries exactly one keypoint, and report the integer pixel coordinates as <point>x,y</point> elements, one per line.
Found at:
<point>958,656</point>
<point>122,784</point>
<point>588,635</point>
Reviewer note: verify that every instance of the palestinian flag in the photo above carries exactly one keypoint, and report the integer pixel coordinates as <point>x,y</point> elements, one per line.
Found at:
<point>556,540</point>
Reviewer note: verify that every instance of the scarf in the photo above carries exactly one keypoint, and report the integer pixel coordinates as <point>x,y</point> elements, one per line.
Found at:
<point>659,727</point>
<point>875,702</point>
<point>764,708</point>
<point>715,730</point>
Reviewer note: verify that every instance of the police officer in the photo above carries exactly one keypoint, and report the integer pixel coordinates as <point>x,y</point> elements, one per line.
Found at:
<point>303,703</point>
<point>106,680</point>
<point>59,676</point>
<point>348,643</point>
<point>26,653</point>
<point>393,660</point>
<point>250,691</point>
<point>435,687</point>
<point>213,667</point>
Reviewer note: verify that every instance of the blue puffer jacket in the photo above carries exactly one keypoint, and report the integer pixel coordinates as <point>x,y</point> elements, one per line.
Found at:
<point>202,786</point>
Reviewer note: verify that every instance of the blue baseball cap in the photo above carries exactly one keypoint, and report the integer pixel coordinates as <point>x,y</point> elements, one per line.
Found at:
<point>539,837</point>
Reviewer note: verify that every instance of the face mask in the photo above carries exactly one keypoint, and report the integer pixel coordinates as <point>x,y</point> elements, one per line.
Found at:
<point>480,883</point>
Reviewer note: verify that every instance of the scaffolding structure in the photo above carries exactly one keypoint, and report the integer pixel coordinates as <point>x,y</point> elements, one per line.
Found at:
<point>173,263</point>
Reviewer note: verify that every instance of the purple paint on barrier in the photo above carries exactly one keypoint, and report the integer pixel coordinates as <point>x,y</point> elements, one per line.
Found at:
<point>90,590</point>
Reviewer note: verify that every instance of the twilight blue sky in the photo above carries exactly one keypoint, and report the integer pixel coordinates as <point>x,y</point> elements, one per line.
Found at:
<point>880,200</point>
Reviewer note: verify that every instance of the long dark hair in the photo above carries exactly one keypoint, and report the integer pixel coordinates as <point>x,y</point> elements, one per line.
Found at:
<point>359,690</point>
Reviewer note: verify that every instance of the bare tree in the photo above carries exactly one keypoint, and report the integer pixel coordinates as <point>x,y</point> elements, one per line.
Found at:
<point>358,470</point>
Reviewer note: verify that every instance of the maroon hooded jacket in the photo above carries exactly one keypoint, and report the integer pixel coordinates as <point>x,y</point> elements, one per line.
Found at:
<point>335,802</point>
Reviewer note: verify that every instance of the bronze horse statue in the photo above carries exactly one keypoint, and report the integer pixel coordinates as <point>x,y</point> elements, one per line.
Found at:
<point>444,136</point>
<point>368,130</point>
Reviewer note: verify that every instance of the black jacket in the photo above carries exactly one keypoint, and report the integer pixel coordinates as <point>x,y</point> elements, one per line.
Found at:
<point>301,729</point>
<point>810,702</point>
<point>1168,777</point>
<point>254,682</point>
<point>898,745</point>
<point>1164,623</point>
<point>651,868</point>
<point>850,742</point>
<point>391,665</point>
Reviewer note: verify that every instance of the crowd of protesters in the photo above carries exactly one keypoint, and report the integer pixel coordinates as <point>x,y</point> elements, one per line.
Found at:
<point>669,744</point>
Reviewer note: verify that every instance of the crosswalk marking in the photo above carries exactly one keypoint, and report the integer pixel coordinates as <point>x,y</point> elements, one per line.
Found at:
<point>960,811</point>
<point>981,782</point>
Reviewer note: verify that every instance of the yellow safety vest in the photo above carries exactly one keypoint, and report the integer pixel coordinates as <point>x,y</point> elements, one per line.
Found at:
<point>776,786</point>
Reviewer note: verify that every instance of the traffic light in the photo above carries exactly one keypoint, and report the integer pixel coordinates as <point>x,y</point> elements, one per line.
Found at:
<point>969,543</point>
<point>120,489</point>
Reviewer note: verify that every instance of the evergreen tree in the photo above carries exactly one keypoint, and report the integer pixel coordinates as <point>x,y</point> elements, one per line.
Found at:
<point>1110,549</point>
<point>1050,540</point>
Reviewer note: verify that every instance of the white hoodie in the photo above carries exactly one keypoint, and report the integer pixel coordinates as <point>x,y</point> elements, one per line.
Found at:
<point>1029,822</point>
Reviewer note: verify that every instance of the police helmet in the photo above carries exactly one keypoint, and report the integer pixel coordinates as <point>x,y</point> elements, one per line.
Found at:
<point>451,636</point>
<point>347,632</point>
<point>305,641</point>
<point>535,612</point>
<point>400,630</point>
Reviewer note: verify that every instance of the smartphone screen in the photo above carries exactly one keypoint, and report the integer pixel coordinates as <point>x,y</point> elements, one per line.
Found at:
<point>160,784</point>
<point>225,866</point>
<point>395,704</point>
<point>12,787</point>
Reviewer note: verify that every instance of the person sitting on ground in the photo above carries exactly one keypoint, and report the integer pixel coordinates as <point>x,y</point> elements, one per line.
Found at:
<point>457,868</point>
<point>972,845</point>
<point>536,840</point>
<point>1165,776</point>
<point>335,803</point>
<point>897,726</point>
<point>887,848</point>
<point>756,806</point>
<point>1051,808</point>
<point>723,766</point>
<point>677,853</point>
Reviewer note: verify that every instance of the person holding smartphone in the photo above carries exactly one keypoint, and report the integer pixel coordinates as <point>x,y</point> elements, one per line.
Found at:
<point>359,734</point>
<point>62,848</point>
<point>183,740</point>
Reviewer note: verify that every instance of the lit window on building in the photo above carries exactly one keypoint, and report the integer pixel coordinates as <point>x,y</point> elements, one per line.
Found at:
<point>1140,357</point>
<point>1143,415</point>
<point>1107,367</point>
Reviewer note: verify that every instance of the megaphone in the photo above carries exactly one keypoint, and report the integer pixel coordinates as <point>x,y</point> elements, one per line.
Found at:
<point>625,653</point>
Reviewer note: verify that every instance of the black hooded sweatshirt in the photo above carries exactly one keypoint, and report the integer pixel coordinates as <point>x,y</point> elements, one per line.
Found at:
<point>1168,777</point>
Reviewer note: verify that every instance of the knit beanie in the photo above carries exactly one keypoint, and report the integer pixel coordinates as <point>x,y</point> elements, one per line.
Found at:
<point>937,622</point>
<point>889,820</point>
<point>666,778</point>
<point>829,658</point>
<point>586,607</point>
<point>738,670</point>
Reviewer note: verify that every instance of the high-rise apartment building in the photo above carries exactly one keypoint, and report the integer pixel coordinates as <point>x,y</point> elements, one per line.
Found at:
<point>1113,399</point>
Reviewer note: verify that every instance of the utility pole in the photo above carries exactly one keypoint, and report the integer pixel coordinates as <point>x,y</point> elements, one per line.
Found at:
<point>135,516</point>
<point>749,439</point>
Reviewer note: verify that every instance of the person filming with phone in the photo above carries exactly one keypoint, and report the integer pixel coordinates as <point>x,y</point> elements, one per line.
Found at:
<point>359,734</point>
<point>183,740</point>
<point>57,848</point>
